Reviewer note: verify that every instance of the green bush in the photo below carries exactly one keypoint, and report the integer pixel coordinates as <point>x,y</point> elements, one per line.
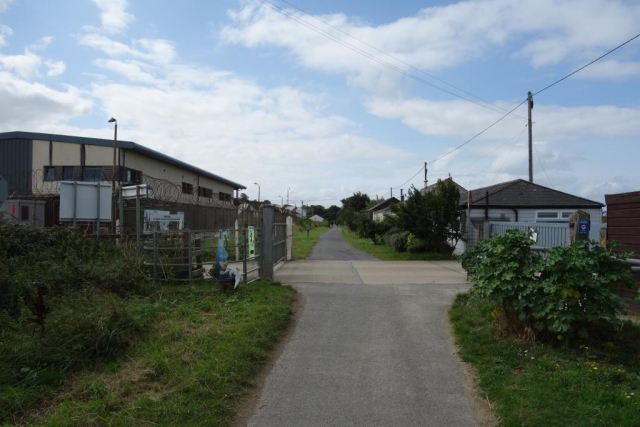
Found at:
<point>368,228</point>
<point>567,292</point>
<point>58,260</point>
<point>65,302</point>
<point>397,240</point>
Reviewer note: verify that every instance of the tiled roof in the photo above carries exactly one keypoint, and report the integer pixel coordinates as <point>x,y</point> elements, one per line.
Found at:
<point>383,204</point>
<point>523,194</point>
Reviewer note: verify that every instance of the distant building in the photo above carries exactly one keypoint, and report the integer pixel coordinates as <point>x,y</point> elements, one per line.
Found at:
<point>34,164</point>
<point>382,209</point>
<point>316,218</point>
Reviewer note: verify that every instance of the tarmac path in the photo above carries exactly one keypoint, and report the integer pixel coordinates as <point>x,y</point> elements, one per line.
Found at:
<point>371,347</point>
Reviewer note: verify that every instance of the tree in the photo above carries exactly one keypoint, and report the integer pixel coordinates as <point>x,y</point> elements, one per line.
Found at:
<point>266,202</point>
<point>432,217</point>
<point>351,207</point>
<point>332,213</point>
<point>370,229</point>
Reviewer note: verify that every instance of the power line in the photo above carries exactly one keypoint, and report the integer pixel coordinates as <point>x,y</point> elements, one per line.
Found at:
<point>368,55</point>
<point>505,160</point>
<point>586,65</point>
<point>542,165</point>
<point>478,134</point>
<point>395,57</point>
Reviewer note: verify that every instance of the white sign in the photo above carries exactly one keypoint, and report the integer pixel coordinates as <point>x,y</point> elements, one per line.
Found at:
<point>162,221</point>
<point>131,191</point>
<point>80,200</point>
<point>534,234</point>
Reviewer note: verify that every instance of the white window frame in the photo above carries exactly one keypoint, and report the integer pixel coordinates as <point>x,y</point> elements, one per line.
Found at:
<point>558,218</point>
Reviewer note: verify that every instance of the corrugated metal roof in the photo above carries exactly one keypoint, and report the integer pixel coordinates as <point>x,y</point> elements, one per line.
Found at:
<point>128,145</point>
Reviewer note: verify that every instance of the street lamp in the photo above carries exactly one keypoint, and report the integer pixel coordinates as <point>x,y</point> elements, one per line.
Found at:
<point>255,183</point>
<point>113,176</point>
<point>281,202</point>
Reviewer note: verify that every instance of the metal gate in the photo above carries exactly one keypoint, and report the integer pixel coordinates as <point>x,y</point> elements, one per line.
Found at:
<point>189,255</point>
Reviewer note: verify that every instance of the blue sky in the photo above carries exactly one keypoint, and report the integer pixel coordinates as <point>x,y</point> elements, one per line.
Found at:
<point>249,93</point>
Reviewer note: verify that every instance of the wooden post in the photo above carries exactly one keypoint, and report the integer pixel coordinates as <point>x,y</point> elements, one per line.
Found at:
<point>576,223</point>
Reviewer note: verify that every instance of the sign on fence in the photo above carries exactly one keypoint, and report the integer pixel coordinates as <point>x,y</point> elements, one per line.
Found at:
<point>85,201</point>
<point>162,221</point>
<point>251,239</point>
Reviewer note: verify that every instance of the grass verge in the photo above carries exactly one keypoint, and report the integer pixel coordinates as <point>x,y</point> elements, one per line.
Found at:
<point>303,244</point>
<point>594,383</point>
<point>199,356</point>
<point>387,253</point>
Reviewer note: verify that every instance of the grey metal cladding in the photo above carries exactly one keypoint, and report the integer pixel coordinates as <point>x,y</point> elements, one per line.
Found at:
<point>16,159</point>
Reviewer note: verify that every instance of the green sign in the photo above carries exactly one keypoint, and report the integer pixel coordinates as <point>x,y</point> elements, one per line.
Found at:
<point>251,239</point>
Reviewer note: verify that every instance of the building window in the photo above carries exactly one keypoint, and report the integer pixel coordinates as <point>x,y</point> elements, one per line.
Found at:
<point>68,173</point>
<point>187,188</point>
<point>556,216</point>
<point>92,174</point>
<point>547,215</point>
<point>24,213</point>
<point>49,173</point>
<point>205,192</point>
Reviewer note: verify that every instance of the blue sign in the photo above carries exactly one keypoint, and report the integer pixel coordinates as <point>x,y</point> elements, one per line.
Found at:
<point>583,227</point>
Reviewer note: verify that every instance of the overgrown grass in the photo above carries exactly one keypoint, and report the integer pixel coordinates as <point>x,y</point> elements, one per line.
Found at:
<point>198,358</point>
<point>594,383</point>
<point>303,245</point>
<point>387,253</point>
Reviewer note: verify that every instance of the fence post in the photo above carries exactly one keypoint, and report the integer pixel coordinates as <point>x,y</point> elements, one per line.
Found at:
<point>244,254</point>
<point>266,242</point>
<point>137,215</point>
<point>155,255</point>
<point>121,213</point>
<point>189,260</point>
<point>487,230</point>
<point>289,237</point>
<point>75,202</point>
<point>98,215</point>
<point>236,228</point>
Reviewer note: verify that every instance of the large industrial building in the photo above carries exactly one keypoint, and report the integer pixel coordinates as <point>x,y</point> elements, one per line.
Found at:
<point>33,164</point>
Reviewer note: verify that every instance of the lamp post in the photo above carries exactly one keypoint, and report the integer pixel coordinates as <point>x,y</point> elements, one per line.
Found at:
<point>281,202</point>
<point>113,176</point>
<point>255,183</point>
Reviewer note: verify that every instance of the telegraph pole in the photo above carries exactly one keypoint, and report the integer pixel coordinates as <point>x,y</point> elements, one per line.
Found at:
<point>530,102</point>
<point>425,174</point>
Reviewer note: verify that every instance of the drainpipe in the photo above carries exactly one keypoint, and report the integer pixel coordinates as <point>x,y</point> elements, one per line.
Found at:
<point>516,212</point>
<point>486,205</point>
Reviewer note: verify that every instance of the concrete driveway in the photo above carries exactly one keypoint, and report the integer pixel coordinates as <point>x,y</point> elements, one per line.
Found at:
<point>371,347</point>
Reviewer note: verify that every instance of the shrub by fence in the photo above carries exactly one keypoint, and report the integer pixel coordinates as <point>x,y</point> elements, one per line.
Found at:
<point>565,293</point>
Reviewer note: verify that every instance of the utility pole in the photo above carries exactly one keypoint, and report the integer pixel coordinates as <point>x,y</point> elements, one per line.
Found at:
<point>425,175</point>
<point>530,102</point>
<point>288,195</point>
<point>391,192</point>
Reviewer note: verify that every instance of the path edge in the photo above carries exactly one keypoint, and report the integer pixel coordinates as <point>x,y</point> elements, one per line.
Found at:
<point>247,405</point>
<point>481,407</point>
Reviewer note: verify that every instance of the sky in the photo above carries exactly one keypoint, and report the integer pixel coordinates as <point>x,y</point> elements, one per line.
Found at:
<point>322,99</point>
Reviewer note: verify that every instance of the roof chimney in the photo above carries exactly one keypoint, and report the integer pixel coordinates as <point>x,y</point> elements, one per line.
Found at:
<point>401,195</point>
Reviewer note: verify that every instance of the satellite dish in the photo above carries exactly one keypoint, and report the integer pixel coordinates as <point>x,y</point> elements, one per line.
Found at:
<point>4,190</point>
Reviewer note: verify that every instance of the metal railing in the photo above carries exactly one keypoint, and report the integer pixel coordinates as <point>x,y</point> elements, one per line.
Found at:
<point>188,255</point>
<point>549,235</point>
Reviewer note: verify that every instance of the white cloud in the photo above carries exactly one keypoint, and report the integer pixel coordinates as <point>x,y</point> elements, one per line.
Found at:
<point>41,44</point>
<point>611,69</point>
<point>155,50</point>
<point>551,122</point>
<point>4,4</point>
<point>55,68</point>
<point>27,106</point>
<point>548,32</point>
<point>132,71</point>
<point>26,66</point>
<point>4,33</point>
<point>114,15</point>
